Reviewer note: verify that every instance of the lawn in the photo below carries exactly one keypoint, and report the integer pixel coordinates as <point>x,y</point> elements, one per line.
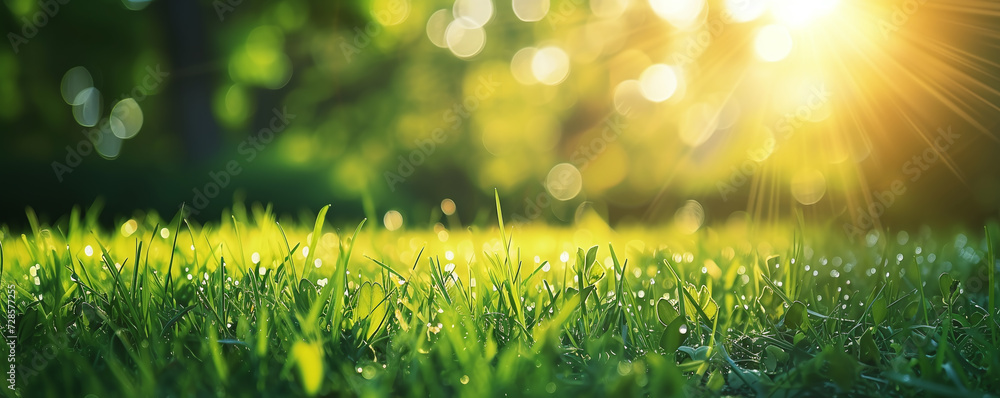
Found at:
<point>261,305</point>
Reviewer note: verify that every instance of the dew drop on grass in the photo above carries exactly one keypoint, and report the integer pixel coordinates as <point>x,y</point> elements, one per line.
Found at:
<point>190,277</point>
<point>546,267</point>
<point>464,379</point>
<point>564,257</point>
<point>89,251</point>
<point>318,263</point>
<point>642,293</point>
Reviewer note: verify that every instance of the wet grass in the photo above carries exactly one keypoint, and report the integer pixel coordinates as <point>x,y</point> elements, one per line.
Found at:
<point>253,305</point>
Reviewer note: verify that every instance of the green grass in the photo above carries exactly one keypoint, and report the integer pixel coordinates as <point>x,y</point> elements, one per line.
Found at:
<point>239,308</point>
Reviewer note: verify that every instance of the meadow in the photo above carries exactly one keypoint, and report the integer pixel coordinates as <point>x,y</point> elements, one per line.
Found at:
<point>260,305</point>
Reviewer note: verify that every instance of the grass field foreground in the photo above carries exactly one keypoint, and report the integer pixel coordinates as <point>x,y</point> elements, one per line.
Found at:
<point>253,305</point>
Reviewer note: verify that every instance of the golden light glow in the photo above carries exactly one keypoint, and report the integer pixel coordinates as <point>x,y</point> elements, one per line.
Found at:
<point>745,10</point>
<point>681,13</point>
<point>800,13</point>
<point>773,43</point>
<point>747,92</point>
<point>699,123</point>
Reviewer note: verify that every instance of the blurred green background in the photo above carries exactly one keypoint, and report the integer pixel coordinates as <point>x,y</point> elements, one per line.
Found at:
<point>370,114</point>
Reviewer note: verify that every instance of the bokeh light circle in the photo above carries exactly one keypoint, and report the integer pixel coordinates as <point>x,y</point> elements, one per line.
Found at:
<point>73,82</point>
<point>464,41</point>
<point>473,14</point>
<point>658,82</point>
<point>437,25</point>
<point>393,220</point>
<point>87,107</point>
<point>628,97</point>
<point>550,65</point>
<point>448,207</point>
<point>126,118</point>
<point>690,217</point>
<point>108,146</point>
<point>530,10</point>
<point>136,5</point>
<point>808,186</point>
<point>564,181</point>
<point>521,66</point>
